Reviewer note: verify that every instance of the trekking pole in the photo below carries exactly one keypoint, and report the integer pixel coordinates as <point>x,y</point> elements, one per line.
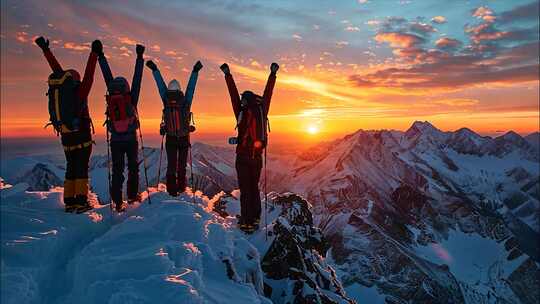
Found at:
<point>109,172</point>
<point>191,172</point>
<point>144,164</point>
<point>265,199</point>
<point>159,167</point>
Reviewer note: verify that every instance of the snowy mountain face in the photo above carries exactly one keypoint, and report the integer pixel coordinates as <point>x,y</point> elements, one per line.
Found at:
<point>214,170</point>
<point>428,216</point>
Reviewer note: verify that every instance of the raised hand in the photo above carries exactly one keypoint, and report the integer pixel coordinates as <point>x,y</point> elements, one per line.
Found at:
<point>97,47</point>
<point>151,65</point>
<point>274,67</point>
<point>225,68</point>
<point>42,43</point>
<point>139,49</point>
<point>198,66</point>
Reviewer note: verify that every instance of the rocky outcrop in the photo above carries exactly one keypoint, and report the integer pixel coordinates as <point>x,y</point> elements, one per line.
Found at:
<point>294,265</point>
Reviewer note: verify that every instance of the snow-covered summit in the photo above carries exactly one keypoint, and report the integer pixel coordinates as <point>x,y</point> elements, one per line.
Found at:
<point>174,250</point>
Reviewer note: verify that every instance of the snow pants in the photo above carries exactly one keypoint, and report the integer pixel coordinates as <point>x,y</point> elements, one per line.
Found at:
<point>76,178</point>
<point>248,170</point>
<point>177,152</point>
<point>120,150</point>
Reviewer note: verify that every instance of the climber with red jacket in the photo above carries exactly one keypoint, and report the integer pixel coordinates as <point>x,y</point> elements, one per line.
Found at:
<point>251,112</point>
<point>175,125</point>
<point>68,111</point>
<point>122,124</point>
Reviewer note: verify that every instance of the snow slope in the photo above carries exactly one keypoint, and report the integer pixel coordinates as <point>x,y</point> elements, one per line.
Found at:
<point>174,250</point>
<point>171,251</point>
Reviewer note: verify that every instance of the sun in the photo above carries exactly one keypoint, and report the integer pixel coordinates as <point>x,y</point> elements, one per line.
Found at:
<point>313,129</point>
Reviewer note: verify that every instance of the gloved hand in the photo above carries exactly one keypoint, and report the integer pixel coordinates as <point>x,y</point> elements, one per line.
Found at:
<point>225,68</point>
<point>139,49</point>
<point>151,65</point>
<point>42,43</point>
<point>97,47</point>
<point>274,67</point>
<point>198,66</point>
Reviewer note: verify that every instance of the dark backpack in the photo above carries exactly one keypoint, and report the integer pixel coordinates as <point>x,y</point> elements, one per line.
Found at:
<point>256,109</point>
<point>64,106</point>
<point>121,114</point>
<point>176,119</point>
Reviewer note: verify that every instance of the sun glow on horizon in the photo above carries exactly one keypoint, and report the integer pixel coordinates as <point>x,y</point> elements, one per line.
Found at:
<point>312,129</point>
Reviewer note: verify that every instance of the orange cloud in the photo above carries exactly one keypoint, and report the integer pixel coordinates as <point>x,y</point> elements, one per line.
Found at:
<point>127,40</point>
<point>438,19</point>
<point>447,43</point>
<point>402,40</point>
<point>76,47</point>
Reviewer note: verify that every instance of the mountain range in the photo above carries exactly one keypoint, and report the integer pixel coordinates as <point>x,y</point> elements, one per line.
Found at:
<point>415,216</point>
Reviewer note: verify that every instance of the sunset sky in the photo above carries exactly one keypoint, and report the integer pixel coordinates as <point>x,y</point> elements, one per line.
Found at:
<point>345,65</point>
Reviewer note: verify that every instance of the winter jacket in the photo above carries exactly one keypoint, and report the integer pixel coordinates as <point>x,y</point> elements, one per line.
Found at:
<point>248,123</point>
<point>135,90</point>
<point>190,90</point>
<point>188,99</point>
<point>84,134</point>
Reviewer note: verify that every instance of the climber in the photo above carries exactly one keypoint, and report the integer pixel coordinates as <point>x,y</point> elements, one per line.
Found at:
<point>176,125</point>
<point>251,113</point>
<point>68,111</point>
<point>122,124</point>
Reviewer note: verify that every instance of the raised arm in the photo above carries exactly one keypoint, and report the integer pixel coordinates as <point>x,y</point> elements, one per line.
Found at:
<point>88,79</point>
<point>44,46</point>
<point>190,90</point>
<point>267,96</point>
<point>233,91</point>
<point>162,88</point>
<point>105,70</point>
<point>137,75</point>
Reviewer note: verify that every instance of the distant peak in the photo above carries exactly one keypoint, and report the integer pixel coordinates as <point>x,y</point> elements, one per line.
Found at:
<point>422,126</point>
<point>511,135</point>
<point>467,131</point>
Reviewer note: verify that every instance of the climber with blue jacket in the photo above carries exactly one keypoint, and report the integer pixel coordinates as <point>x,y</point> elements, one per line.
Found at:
<point>176,125</point>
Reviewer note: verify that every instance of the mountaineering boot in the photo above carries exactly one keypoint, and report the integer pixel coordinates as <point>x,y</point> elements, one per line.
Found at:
<point>136,199</point>
<point>83,208</point>
<point>172,187</point>
<point>248,228</point>
<point>120,207</point>
<point>69,203</point>
<point>81,204</point>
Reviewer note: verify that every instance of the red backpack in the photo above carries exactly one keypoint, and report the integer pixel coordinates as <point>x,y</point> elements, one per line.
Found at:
<point>253,108</point>
<point>121,114</point>
<point>176,119</point>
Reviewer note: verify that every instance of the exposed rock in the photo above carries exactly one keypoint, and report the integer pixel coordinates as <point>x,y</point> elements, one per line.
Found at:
<point>294,265</point>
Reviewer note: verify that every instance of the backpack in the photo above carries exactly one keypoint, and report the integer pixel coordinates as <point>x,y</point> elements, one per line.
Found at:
<point>176,120</point>
<point>255,106</point>
<point>121,114</point>
<point>64,106</point>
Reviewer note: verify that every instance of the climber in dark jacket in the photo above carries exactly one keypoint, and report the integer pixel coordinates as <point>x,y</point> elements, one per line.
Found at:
<point>176,125</point>
<point>122,124</point>
<point>77,142</point>
<point>251,112</point>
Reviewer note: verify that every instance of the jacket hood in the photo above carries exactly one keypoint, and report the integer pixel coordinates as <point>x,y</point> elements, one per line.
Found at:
<point>119,84</point>
<point>74,74</point>
<point>174,85</point>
